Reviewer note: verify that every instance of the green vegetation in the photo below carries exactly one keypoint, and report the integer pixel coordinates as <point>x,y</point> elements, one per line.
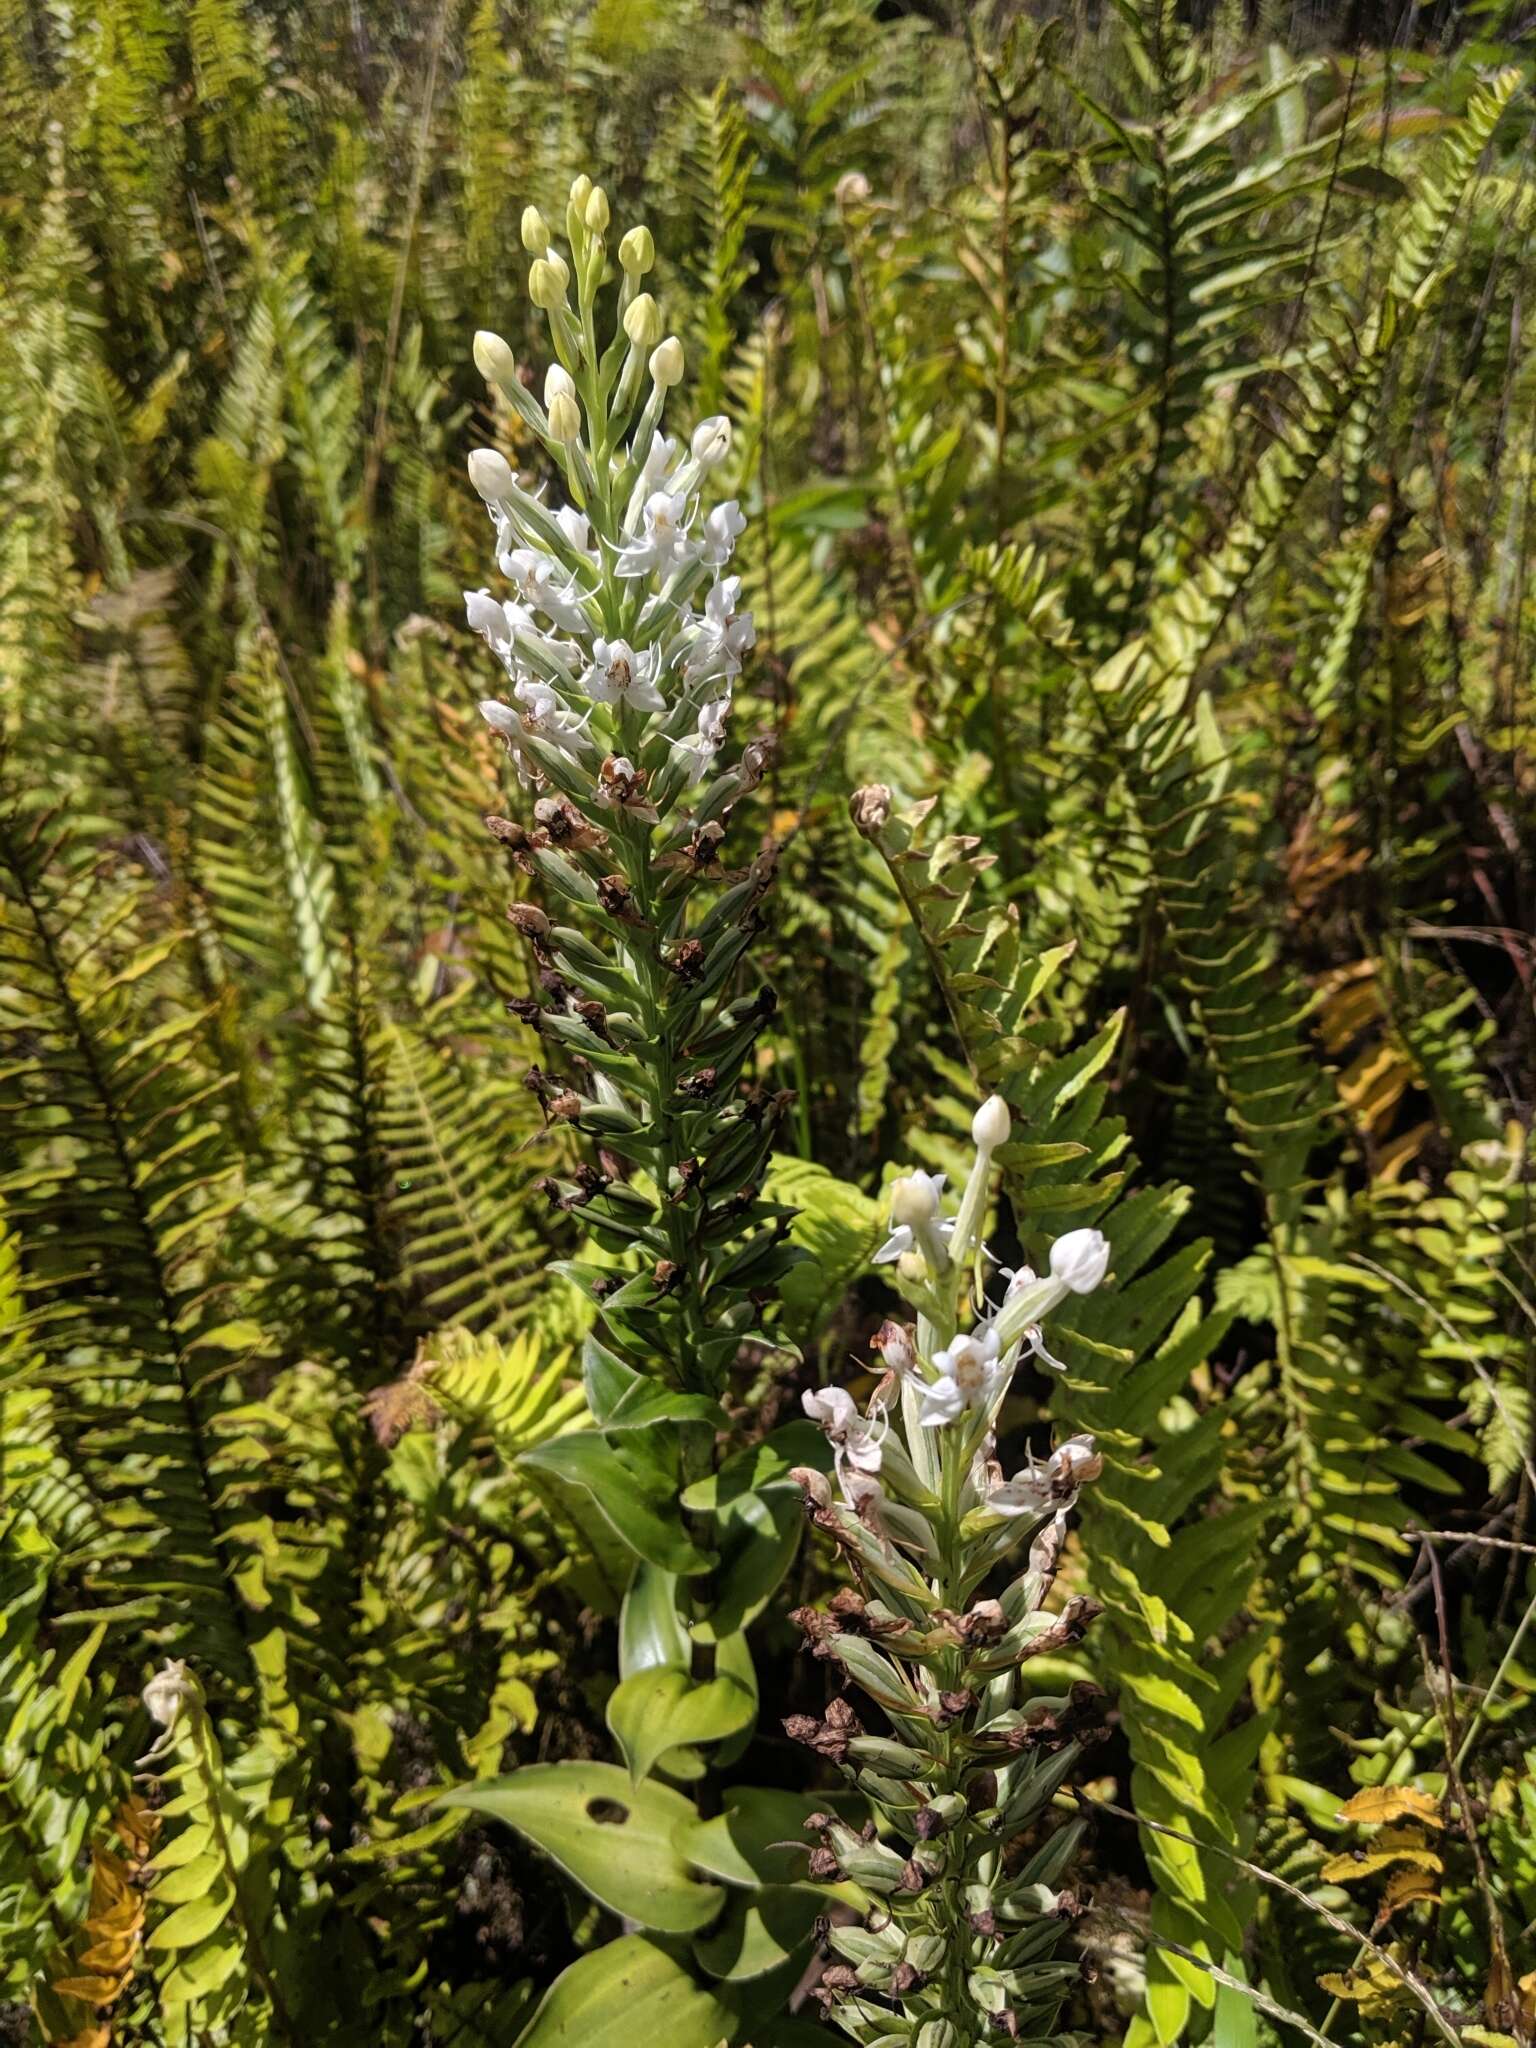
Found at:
<point>1135,425</point>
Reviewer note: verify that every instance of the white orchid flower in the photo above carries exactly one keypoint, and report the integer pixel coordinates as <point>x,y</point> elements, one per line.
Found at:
<point>722,529</point>
<point>968,1372</point>
<point>617,675</point>
<point>663,543</point>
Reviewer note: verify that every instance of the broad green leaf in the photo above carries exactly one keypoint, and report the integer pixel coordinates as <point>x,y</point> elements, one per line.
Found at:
<point>660,1708</point>
<point>628,1994</point>
<point>761,1465</point>
<point>756,1839</point>
<point>616,1839</point>
<point>758,1931</point>
<point>638,1512</point>
<point>758,1534</point>
<point>606,1379</point>
<point>651,1632</point>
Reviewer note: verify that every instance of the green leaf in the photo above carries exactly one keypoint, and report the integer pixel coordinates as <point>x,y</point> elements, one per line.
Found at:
<point>758,1838</point>
<point>606,1379</point>
<point>193,1923</point>
<point>661,1708</point>
<point>623,1995</point>
<point>651,1632</point>
<point>758,1534</point>
<point>632,1503</point>
<point>759,1930</point>
<point>614,1838</point>
<point>761,1465</point>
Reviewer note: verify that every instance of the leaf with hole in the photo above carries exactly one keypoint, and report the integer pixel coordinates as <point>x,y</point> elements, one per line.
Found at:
<point>615,1838</point>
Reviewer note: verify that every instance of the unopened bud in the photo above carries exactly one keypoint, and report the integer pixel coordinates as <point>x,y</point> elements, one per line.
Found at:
<point>547,278</point>
<point>991,1124</point>
<point>637,251</point>
<point>595,212</point>
<point>558,380</point>
<point>494,359</point>
<point>581,190</point>
<point>914,1199</point>
<point>667,363</point>
<point>642,322</point>
<point>711,441</point>
<point>535,231</point>
<point>491,475</point>
<point>1080,1260</point>
<point>501,718</point>
<point>852,189</point>
<point>564,418</point>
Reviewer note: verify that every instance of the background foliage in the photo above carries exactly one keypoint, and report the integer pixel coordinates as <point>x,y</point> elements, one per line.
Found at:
<point>1140,420</point>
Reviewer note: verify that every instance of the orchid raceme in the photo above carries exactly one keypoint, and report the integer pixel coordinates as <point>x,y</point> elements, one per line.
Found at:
<point>957,1944</point>
<point>619,632</point>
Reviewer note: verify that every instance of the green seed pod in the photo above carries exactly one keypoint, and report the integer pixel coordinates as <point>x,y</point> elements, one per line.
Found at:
<point>989,1989</point>
<point>896,1759</point>
<point>925,1952</point>
<point>890,1793</point>
<point>858,1945</point>
<point>874,1866</point>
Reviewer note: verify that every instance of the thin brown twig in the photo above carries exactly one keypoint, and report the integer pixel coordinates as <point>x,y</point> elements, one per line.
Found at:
<point>1459,1537</point>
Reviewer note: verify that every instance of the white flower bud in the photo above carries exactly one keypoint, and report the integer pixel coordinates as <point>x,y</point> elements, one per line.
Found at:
<point>991,1124</point>
<point>548,277</point>
<point>595,212</point>
<point>564,417</point>
<point>535,231</point>
<point>168,1692</point>
<point>558,382</point>
<point>501,718</point>
<point>494,359</point>
<point>637,251</point>
<point>491,475</point>
<point>914,1200</point>
<point>1080,1260</point>
<point>852,189</point>
<point>642,321</point>
<point>667,363</point>
<point>581,190</point>
<point>711,440</point>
